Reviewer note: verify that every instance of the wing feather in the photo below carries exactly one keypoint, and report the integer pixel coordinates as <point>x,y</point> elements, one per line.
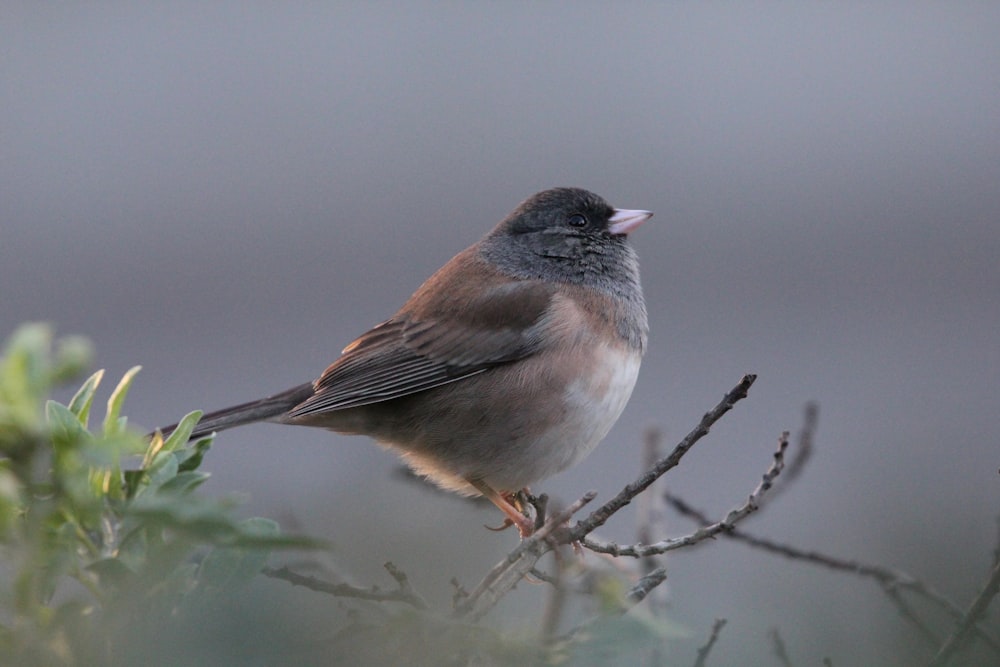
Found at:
<point>411,353</point>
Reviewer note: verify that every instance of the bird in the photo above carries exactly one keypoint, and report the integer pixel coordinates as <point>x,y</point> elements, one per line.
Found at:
<point>508,365</point>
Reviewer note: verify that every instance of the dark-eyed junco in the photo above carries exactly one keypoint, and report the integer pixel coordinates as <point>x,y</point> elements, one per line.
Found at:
<point>506,366</point>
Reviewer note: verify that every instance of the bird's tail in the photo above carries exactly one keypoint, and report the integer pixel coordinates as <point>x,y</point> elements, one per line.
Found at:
<point>247,413</point>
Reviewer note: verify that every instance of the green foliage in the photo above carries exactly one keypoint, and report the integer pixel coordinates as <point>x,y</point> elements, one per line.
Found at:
<point>90,551</point>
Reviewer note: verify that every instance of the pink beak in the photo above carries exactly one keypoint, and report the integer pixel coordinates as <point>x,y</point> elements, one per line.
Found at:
<point>624,221</point>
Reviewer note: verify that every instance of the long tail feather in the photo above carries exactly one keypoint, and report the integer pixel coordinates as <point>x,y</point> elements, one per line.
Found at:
<point>247,413</point>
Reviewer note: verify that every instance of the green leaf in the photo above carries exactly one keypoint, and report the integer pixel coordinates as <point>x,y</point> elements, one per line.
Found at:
<point>66,429</point>
<point>162,470</point>
<point>112,423</point>
<point>261,533</point>
<point>211,522</point>
<point>184,482</point>
<point>133,478</point>
<point>206,520</point>
<point>229,568</point>
<point>182,433</point>
<point>190,458</point>
<point>82,400</point>
<point>158,452</point>
<point>259,526</point>
<point>11,506</point>
<point>26,364</point>
<point>111,572</point>
<point>107,452</point>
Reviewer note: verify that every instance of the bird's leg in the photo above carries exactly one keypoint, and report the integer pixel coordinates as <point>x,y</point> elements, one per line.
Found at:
<point>506,503</point>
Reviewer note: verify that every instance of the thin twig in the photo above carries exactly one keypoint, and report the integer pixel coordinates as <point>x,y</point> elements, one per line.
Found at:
<point>522,560</point>
<point>778,646</point>
<point>625,496</point>
<point>703,652</point>
<point>404,593</point>
<point>706,531</point>
<point>904,609</point>
<point>644,586</point>
<point>517,563</point>
<point>650,512</point>
<point>403,582</point>
<point>648,506</point>
<point>634,596</point>
<point>555,603</point>
<point>545,577</point>
<point>458,592</point>
<point>969,619</point>
<point>803,450</point>
<point>888,578</point>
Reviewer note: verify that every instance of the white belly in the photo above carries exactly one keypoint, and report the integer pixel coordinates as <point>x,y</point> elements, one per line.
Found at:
<point>507,458</point>
<point>592,408</point>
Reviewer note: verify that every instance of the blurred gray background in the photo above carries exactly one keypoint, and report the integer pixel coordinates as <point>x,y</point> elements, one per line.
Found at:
<point>227,195</point>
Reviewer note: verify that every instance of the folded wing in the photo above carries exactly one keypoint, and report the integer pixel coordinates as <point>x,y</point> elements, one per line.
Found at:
<point>437,344</point>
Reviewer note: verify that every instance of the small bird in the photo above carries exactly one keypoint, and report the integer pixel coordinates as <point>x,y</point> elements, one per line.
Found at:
<point>508,365</point>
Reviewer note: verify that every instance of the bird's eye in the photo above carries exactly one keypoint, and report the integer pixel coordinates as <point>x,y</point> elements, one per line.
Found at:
<point>577,220</point>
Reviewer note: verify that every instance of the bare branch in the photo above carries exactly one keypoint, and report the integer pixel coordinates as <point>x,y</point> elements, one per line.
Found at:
<point>778,646</point>
<point>545,577</point>
<point>518,563</point>
<point>648,509</point>
<point>969,619</point>
<point>889,579</point>
<point>803,450</point>
<point>909,614</point>
<point>650,513</point>
<point>625,496</point>
<point>555,603</point>
<point>642,588</point>
<point>458,592</point>
<point>404,593</point>
<point>703,652</point>
<point>552,533</point>
<point>706,531</point>
<point>405,588</point>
